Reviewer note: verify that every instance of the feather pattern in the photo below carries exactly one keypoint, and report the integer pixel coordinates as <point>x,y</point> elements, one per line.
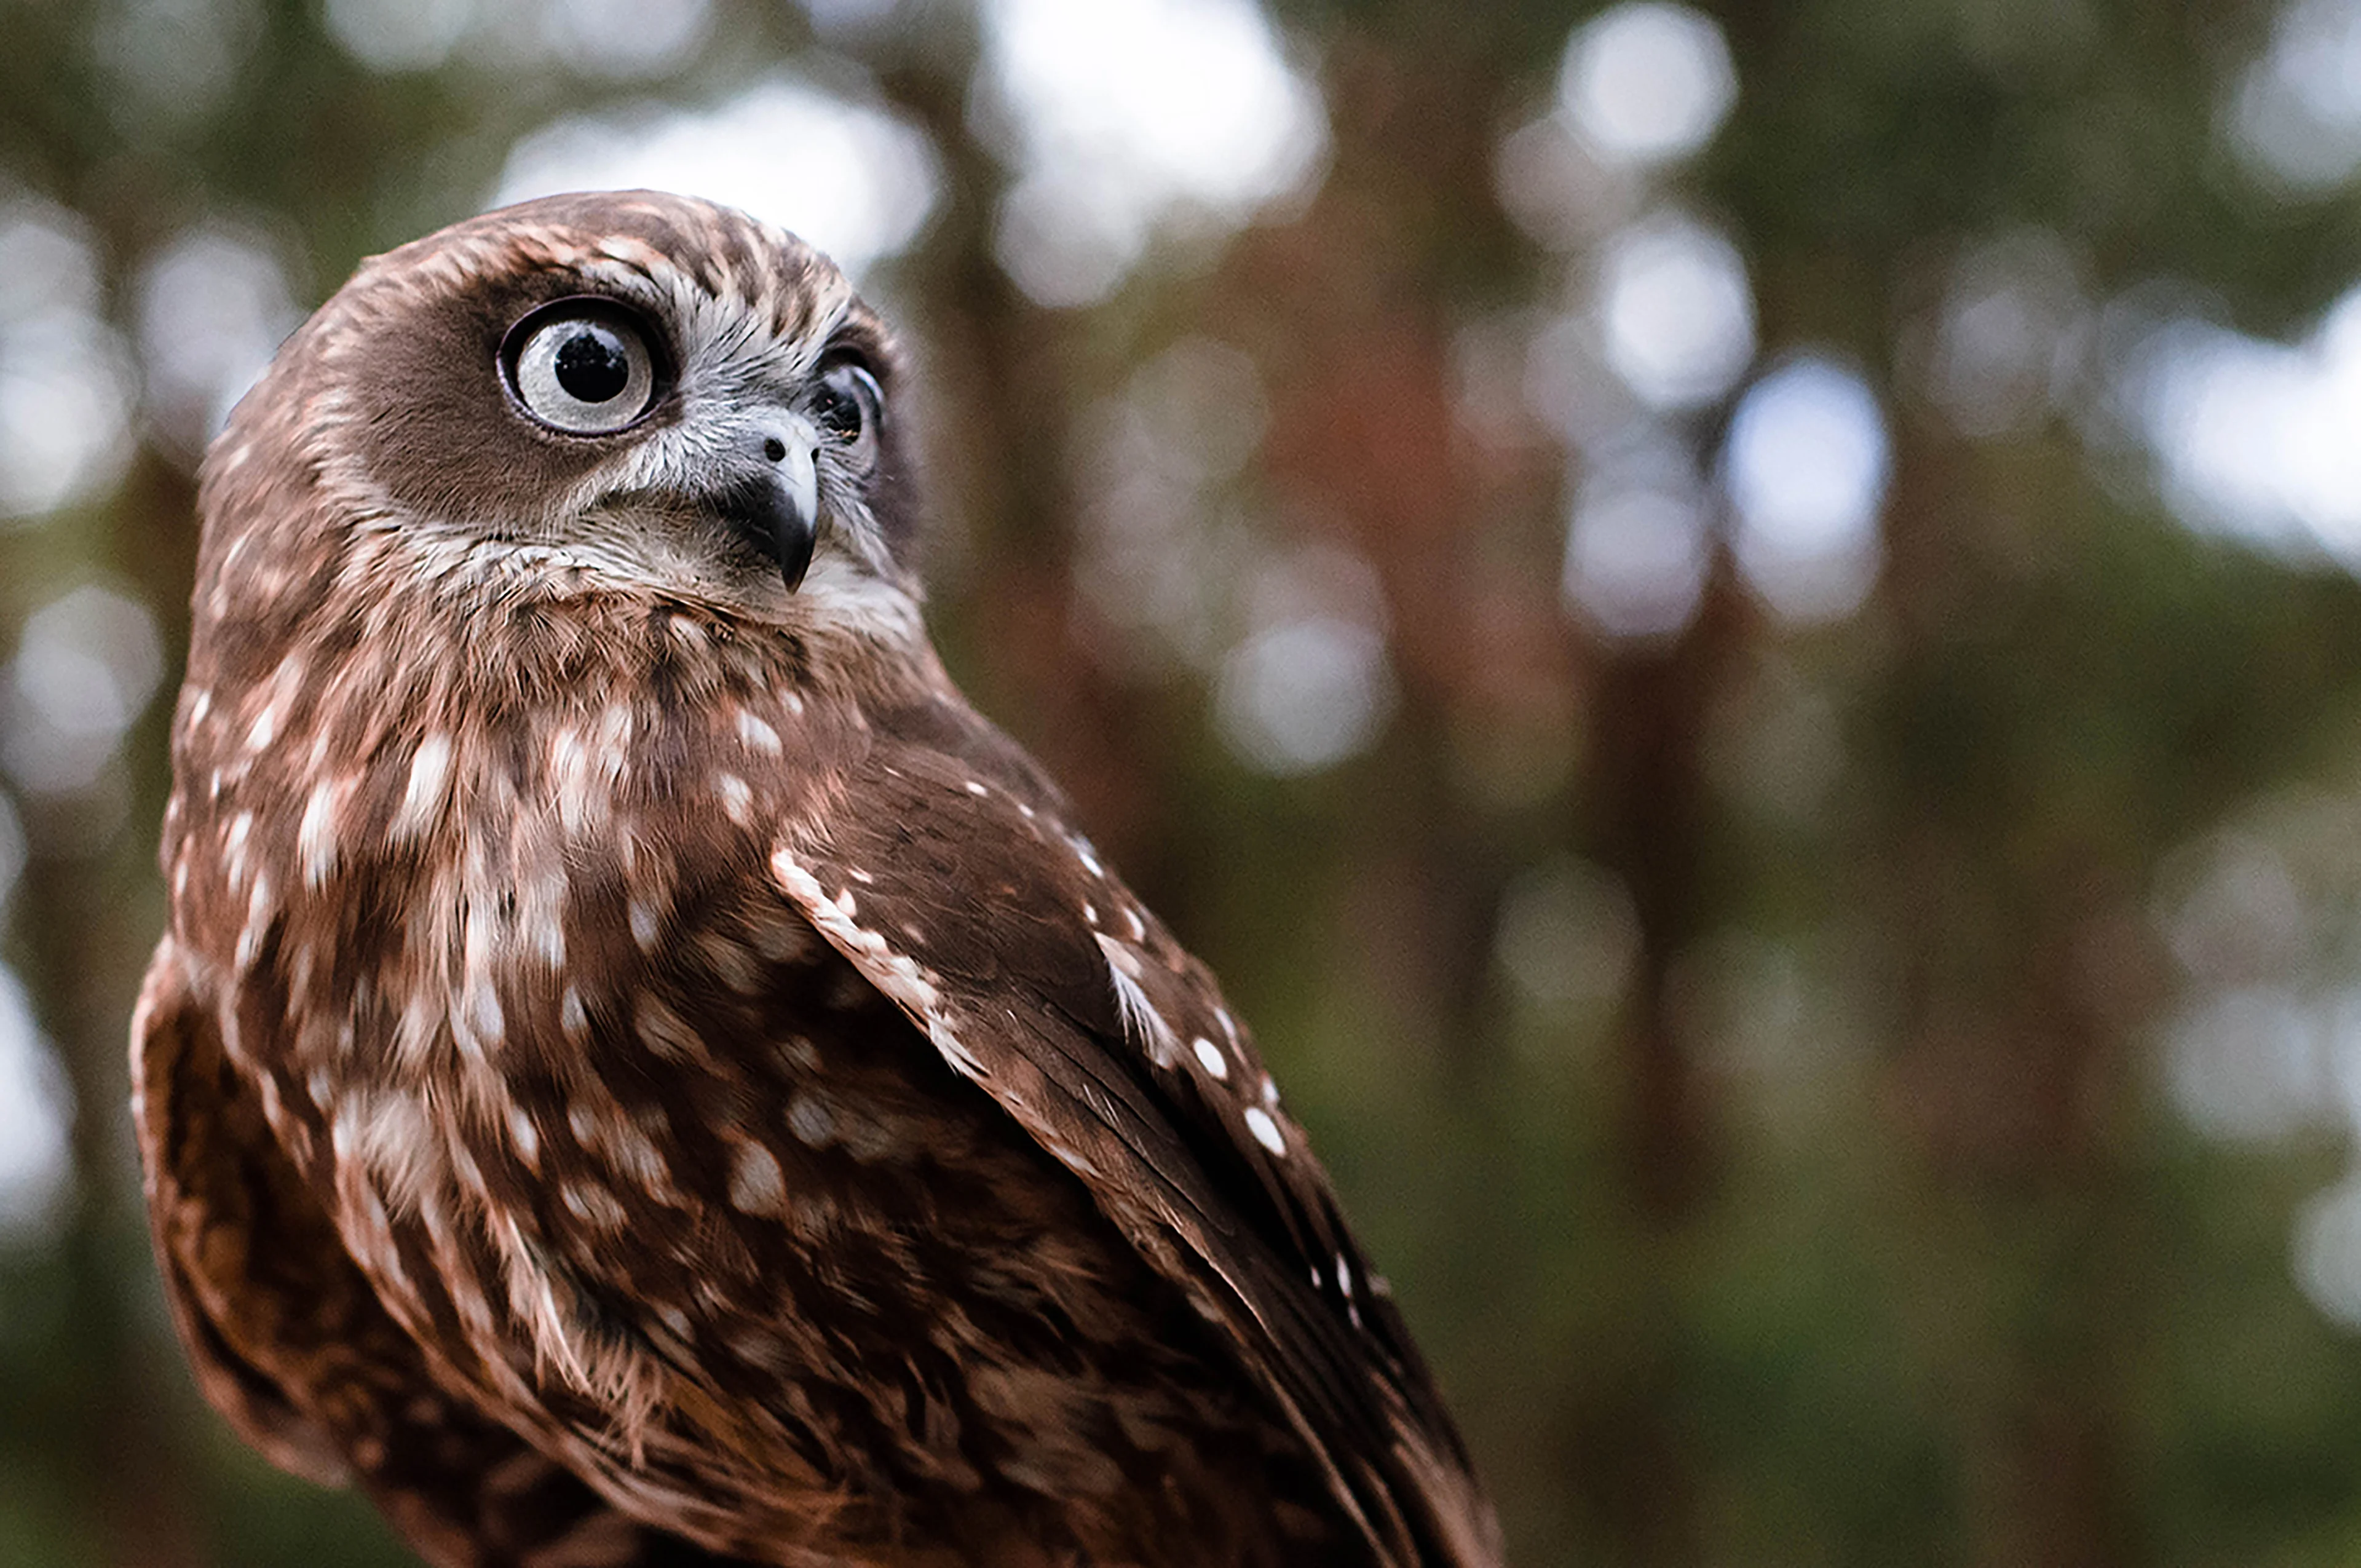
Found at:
<point>639,1071</point>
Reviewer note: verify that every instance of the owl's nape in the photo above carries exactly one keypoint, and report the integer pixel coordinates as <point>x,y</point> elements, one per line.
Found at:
<point>611,963</point>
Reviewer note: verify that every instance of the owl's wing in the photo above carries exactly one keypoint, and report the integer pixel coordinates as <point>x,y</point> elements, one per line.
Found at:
<point>947,873</point>
<point>293,1347</point>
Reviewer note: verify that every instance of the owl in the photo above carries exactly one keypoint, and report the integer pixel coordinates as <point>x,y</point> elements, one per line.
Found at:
<point>639,1071</point>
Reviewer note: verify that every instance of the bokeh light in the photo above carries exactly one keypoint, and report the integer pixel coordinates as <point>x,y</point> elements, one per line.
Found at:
<point>1311,684</point>
<point>35,1106</point>
<point>1806,466</point>
<point>65,381</point>
<point>1676,317</point>
<point>1646,83</point>
<point>87,665</point>
<point>213,307</point>
<point>1122,115</point>
<point>851,178</point>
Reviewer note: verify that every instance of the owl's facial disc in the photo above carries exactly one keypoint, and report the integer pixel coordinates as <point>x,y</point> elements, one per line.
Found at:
<point>838,425</point>
<point>669,412</point>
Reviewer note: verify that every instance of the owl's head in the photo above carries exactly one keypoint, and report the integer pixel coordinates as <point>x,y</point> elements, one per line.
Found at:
<point>627,389</point>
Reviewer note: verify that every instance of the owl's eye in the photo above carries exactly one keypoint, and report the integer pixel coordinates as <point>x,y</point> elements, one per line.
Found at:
<point>582,366</point>
<point>850,406</point>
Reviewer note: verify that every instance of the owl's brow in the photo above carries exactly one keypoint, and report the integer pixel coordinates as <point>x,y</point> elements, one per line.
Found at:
<point>857,336</point>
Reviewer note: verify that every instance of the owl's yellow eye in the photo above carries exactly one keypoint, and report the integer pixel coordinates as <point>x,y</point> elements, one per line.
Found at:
<point>581,366</point>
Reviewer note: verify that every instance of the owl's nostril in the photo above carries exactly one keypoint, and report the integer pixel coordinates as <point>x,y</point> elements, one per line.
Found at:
<point>775,449</point>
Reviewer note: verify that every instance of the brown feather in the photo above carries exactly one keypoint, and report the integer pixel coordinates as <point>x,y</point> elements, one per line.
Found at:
<point>639,1063</point>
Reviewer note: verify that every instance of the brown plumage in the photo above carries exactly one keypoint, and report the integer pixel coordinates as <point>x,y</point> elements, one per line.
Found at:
<point>639,1071</point>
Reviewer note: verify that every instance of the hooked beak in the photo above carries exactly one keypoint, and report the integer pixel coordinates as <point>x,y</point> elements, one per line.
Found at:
<point>778,510</point>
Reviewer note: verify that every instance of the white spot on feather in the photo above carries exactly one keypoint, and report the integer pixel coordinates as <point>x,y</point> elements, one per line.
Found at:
<point>756,1186</point>
<point>643,917</point>
<point>485,1015</point>
<point>665,1032</point>
<point>1266,1131</point>
<point>901,978</point>
<point>526,1138</point>
<point>234,842</point>
<point>1140,1018</point>
<point>315,837</point>
<point>430,769</point>
<point>811,1122</point>
<point>1209,1057</point>
<point>259,911</point>
<point>757,734</point>
<point>737,799</point>
<point>593,1204</point>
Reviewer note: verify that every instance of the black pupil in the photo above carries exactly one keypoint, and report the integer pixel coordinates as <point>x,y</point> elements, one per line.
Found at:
<point>839,406</point>
<point>591,363</point>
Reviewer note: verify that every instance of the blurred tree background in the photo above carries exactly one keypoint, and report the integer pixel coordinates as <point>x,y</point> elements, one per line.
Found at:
<point>1733,623</point>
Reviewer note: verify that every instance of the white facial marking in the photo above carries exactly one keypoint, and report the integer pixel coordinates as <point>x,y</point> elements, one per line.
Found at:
<point>1266,1131</point>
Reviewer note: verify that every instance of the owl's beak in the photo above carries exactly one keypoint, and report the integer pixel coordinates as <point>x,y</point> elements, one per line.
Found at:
<point>778,510</point>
